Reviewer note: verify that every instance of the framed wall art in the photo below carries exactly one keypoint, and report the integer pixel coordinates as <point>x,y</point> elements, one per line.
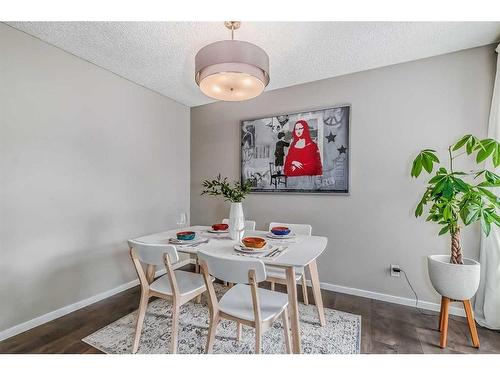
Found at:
<point>306,152</point>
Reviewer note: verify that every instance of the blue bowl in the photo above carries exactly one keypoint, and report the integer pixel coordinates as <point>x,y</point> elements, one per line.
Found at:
<point>186,236</point>
<point>280,231</point>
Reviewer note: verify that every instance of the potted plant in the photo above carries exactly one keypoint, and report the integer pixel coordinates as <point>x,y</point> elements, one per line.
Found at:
<point>235,194</point>
<point>454,202</point>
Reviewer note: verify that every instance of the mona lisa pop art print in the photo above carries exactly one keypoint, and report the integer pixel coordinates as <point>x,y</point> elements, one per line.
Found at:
<point>305,152</point>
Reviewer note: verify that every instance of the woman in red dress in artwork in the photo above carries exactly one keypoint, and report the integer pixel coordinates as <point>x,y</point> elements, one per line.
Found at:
<point>303,158</point>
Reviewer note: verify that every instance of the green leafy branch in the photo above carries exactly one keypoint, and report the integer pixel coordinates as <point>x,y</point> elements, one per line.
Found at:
<point>450,197</point>
<point>221,187</point>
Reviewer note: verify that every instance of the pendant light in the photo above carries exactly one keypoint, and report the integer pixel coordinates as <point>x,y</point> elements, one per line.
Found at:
<point>232,70</point>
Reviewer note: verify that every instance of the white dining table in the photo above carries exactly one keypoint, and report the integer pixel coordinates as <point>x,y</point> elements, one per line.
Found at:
<point>301,253</point>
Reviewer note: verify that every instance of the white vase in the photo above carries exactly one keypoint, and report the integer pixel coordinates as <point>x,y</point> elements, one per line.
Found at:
<point>236,221</point>
<point>455,281</point>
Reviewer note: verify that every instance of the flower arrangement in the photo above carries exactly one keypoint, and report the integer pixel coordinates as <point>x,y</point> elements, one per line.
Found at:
<point>219,186</point>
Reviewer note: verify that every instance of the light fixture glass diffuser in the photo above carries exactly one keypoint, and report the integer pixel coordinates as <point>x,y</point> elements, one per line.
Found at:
<point>232,70</point>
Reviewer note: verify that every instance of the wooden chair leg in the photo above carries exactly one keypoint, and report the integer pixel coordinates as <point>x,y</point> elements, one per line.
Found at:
<point>286,328</point>
<point>198,298</point>
<point>304,290</point>
<point>472,324</point>
<point>143,306</point>
<point>272,285</point>
<point>258,339</point>
<point>174,334</point>
<point>150,273</point>
<point>441,316</point>
<point>444,324</point>
<point>238,331</point>
<point>212,328</point>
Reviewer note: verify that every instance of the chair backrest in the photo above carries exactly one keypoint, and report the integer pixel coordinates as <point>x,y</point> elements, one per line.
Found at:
<point>302,229</point>
<point>233,269</point>
<point>249,224</point>
<point>153,253</point>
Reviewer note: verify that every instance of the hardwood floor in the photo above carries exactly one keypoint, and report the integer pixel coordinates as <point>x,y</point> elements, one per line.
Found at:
<point>385,327</point>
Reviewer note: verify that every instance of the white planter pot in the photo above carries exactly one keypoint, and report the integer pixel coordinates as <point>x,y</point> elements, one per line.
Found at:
<point>455,281</point>
<point>236,221</point>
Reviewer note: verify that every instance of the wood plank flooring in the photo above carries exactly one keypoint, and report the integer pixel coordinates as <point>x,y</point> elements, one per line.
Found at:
<point>385,327</point>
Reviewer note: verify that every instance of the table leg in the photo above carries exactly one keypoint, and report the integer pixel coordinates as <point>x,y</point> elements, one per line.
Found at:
<point>313,271</point>
<point>294,309</point>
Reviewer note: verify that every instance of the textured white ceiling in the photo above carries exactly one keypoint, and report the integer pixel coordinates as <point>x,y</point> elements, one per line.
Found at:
<point>160,55</point>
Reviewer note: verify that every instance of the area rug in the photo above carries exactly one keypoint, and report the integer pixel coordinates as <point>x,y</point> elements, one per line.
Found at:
<point>340,335</point>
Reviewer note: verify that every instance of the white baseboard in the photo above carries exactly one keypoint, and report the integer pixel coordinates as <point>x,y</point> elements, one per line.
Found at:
<point>20,328</point>
<point>454,310</point>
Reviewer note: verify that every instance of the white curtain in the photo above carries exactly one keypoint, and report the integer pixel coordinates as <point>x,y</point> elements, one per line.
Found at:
<point>487,305</point>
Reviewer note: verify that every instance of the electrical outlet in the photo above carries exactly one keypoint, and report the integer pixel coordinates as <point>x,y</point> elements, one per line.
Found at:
<point>395,270</point>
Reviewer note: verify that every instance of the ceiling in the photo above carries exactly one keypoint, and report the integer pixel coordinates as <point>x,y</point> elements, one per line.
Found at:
<point>160,55</point>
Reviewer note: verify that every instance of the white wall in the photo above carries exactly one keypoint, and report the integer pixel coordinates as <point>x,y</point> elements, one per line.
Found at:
<point>396,111</point>
<point>87,160</point>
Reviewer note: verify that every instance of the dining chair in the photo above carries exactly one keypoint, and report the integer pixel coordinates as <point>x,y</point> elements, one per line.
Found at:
<point>249,224</point>
<point>176,285</point>
<point>277,275</point>
<point>245,303</point>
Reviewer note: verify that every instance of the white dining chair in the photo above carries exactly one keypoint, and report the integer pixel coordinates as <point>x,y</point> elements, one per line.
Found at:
<point>176,285</point>
<point>244,304</point>
<point>249,224</point>
<point>277,275</point>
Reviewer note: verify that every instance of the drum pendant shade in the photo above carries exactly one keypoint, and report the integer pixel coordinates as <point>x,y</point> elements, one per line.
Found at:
<point>232,70</point>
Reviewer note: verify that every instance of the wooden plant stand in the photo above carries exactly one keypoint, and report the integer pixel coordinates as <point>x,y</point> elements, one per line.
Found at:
<point>443,321</point>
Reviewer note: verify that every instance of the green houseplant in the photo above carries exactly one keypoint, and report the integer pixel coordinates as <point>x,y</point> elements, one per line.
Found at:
<point>235,194</point>
<point>221,187</point>
<point>455,198</point>
<point>452,199</point>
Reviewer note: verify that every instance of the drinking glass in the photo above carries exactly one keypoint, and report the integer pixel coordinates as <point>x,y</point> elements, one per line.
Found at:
<point>182,220</point>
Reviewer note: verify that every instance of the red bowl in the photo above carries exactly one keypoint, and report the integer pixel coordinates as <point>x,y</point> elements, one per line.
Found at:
<point>220,227</point>
<point>254,242</point>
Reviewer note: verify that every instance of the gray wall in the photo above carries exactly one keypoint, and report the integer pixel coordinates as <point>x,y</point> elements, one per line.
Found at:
<point>87,160</point>
<point>396,111</point>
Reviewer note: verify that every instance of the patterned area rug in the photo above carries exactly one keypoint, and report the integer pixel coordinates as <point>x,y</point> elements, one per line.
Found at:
<point>340,335</point>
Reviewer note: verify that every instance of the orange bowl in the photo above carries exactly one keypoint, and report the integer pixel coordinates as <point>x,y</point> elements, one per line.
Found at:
<point>254,242</point>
